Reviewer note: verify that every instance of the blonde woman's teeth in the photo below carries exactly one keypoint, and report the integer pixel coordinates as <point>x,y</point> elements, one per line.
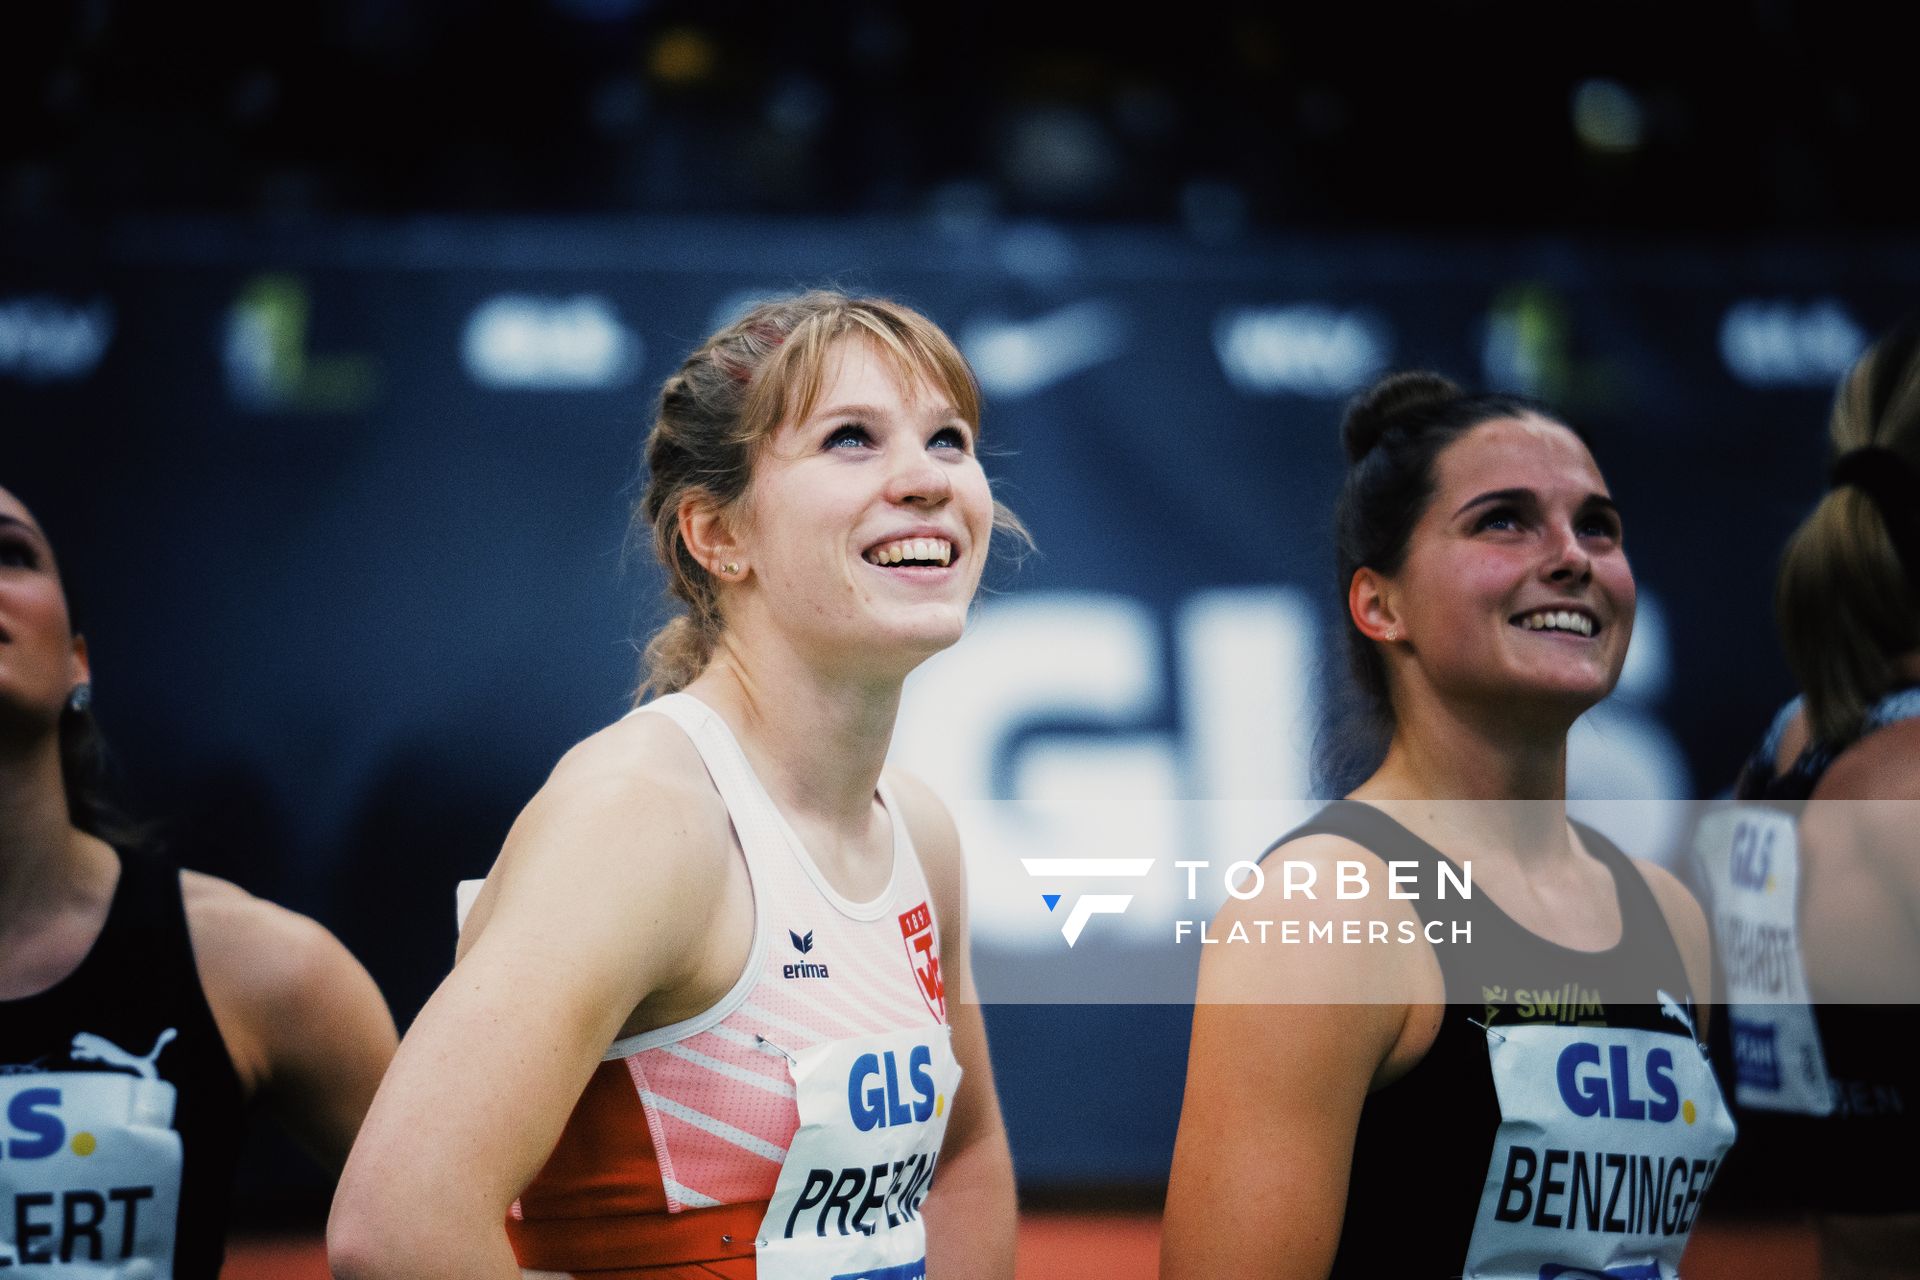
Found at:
<point>912,550</point>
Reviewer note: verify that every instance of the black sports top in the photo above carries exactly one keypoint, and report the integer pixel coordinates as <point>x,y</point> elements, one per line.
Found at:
<point>120,1112</point>
<point>1422,1153</point>
<point>1858,1158</point>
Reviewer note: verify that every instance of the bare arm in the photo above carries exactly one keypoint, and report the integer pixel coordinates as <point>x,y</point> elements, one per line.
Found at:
<point>1287,1042</point>
<point>601,897</point>
<point>307,1029</point>
<point>1688,925</point>
<point>971,1213</point>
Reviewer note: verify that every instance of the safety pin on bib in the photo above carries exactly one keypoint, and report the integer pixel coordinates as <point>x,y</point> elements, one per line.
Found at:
<point>793,1061</point>
<point>1489,1030</point>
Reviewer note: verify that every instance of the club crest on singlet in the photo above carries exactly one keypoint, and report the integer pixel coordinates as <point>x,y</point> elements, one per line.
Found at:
<point>90,1164</point>
<point>923,953</point>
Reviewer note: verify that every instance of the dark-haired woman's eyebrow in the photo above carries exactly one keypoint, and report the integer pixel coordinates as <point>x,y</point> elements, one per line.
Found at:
<point>25,526</point>
<point>1493,496</point>
<point>1599,502</point>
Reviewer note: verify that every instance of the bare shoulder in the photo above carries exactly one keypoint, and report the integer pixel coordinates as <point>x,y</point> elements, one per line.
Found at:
<point>1793,740</point>
<point>269,973</point>
<point>249,947</point>
<point>1321,928</point>
<point>935,837</point>
<point>628,811</point>
<point>936,841</point>
<point>1884,765</point>
<point>1685,921</point>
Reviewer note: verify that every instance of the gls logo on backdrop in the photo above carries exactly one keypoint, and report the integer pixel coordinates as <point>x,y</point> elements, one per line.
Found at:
<point>1072,762</point>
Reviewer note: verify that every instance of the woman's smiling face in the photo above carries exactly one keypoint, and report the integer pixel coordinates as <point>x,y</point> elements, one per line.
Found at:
<point>1516,583</point>
<point>40,659</point>
<point>866,523</point>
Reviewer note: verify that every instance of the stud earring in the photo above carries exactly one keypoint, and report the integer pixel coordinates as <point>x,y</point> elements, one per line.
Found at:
<point>80,699</point>
<point>730,568</point>
<point>1393,633</point>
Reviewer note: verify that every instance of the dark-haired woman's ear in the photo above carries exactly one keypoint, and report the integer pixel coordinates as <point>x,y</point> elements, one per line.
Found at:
<point>1370,604</point>
<point>80,668</point>
<point>708,534</point>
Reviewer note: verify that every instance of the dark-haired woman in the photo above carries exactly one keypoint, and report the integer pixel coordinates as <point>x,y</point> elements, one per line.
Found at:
<point>713,1014</point>
<point>1527,1099</point>
<point>1821,857</point>
<point>142,1008</point>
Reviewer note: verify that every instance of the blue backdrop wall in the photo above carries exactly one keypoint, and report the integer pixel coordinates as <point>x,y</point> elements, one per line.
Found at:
<point>344,508</point>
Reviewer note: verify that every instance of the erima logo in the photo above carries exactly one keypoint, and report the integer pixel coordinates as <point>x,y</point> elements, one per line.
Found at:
<point>1589,1089</point>
<point>1088,905</point>
<point>803,943</point>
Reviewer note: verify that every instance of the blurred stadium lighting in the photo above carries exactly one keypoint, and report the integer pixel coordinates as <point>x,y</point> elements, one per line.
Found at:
<point>1607,116</point>
<point>1059,156</point>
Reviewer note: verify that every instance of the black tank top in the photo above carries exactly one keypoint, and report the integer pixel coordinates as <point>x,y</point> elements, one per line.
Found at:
<point>1860,1157</point>
<point>1424,1142</point>
<point>120,1112</point>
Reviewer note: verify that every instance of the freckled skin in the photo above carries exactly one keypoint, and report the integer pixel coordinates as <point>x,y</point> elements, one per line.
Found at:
<point>821,496</point>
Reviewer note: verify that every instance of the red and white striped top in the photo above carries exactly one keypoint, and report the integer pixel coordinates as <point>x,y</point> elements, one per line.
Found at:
<point>698,1116</point>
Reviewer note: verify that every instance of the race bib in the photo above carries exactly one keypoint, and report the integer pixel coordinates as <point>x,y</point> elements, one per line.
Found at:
<point>89,1175</point>
<point>1749,859</point>
<point>873,1110</point>
<point>1608,1139</point>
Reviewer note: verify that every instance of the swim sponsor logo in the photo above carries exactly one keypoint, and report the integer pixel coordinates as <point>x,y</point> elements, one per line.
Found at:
<point>923,953</point>
<point>1568,1005</point>
<point>803,943</point>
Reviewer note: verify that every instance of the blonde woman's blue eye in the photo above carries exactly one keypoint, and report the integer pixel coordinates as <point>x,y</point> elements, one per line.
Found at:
<point>847,436</point>
<point>949,438</point>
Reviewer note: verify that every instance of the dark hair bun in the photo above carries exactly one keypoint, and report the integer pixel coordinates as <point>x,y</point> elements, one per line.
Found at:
<point>1395,397</point>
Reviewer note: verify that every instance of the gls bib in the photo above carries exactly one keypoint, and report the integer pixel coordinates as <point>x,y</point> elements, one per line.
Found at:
<point>89,1171</point>
<point>873,1110</point>
<point>1608,1139</point>
<point>1749,861</point>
